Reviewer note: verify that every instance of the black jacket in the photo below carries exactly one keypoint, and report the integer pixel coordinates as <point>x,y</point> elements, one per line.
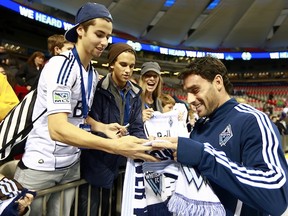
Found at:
<point>97,167</point>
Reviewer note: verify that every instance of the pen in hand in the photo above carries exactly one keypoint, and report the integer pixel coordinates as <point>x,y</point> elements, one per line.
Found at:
<point>126,126</point>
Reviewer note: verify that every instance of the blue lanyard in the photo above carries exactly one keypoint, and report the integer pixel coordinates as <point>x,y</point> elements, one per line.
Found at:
<point>85,107</point>
<point>127,106</point>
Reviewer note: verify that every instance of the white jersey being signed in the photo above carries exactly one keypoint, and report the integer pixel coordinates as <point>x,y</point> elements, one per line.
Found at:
<point>166,125</point>
<point>166,188</point>
<point>59,90</point>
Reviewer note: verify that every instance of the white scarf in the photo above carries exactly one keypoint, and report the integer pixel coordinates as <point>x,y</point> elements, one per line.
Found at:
<point>166,188</point>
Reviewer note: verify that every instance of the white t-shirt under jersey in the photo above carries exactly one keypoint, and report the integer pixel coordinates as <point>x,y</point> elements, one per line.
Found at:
<point>59,90</point>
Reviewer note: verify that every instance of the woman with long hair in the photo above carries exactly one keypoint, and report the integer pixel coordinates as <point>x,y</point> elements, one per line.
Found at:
<point>29,72</point>
<point>151,84</point>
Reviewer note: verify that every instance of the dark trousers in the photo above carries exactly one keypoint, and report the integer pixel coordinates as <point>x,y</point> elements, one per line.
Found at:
<point>99,201</point>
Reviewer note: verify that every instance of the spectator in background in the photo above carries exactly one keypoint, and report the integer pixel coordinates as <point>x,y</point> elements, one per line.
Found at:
<point>11,65</point>
<point>284,115</point>
<point>9,75</point>
<point>167,102</point>
<point>279,125</point>
<point>192,118</point>
<point>151,83</point>
<point>268,108</point>
<point>271,95</point>
<point>11,62</point>
<point>28,73</point>
<point>8,98</point>
<point>117,100</point>
<point>57,44</point>
<point>282,130</point>
<point>283,119</point>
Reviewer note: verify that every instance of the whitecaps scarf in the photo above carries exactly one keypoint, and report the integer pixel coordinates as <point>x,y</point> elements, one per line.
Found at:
<point>166,188</point>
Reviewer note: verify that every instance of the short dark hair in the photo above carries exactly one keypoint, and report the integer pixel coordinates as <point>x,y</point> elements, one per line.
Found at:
<point>208,67</point>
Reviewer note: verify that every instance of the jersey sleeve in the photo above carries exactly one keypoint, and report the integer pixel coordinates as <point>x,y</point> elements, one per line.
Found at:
<point>59,76</point>
<point>259,178</point>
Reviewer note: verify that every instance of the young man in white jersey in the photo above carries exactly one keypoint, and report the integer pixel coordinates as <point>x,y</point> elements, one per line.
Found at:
<point>66,89</point>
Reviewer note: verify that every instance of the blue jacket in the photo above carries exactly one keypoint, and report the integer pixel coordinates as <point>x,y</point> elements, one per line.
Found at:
<point>98,167</point>
<point>238,149</point>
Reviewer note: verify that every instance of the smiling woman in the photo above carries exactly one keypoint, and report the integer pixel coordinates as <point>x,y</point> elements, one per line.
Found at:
<point>151,83</point>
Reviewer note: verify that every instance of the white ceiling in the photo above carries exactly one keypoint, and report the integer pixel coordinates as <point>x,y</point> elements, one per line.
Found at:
<point>233,24</point>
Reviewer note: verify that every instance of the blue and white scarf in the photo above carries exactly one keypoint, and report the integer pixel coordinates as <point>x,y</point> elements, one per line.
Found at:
<point>166,188</point>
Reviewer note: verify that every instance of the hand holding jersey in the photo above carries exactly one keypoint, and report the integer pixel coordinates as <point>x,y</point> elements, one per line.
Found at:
<point>113,130</point>
<point>171,143</point>
<point>166,187</point>
<point>147,114</point>
<point>128,146</point>
<point>132,147</point>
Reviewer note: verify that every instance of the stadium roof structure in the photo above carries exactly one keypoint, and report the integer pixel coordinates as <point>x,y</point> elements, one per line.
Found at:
<point>231,25</point>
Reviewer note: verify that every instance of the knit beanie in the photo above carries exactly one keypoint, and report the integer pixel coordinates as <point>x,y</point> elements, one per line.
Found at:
<point>116,49</point>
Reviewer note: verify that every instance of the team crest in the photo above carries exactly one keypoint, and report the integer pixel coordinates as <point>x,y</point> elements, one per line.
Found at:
<point>170,121</point>
<point>155,181</point>
<point>225,135</point>
<point>61,97</point>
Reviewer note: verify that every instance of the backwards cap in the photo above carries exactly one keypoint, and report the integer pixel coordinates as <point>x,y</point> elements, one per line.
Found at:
<point>87,12</point>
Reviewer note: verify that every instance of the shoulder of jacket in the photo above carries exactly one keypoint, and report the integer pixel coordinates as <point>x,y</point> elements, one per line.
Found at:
<point>136,88</point>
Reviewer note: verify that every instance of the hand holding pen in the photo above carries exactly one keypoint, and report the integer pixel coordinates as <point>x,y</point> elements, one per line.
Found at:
<point>114,130</point>
<point>147,114</point>
<point>123,131</point>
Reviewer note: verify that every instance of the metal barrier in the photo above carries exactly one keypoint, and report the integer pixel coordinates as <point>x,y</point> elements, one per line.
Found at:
<point>114,202</point>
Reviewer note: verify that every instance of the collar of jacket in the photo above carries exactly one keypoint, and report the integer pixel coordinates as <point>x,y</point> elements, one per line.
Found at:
<point>222,111</point>
<point>105,81</point>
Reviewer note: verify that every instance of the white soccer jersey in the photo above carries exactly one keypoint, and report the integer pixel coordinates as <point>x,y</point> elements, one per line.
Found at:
<point>137,189</point>
<point>165,125</point>
<point>149,185</point>
<point>59,90</point>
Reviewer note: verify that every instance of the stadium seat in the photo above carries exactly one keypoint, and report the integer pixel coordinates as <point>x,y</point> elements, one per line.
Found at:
<point>8,169</point>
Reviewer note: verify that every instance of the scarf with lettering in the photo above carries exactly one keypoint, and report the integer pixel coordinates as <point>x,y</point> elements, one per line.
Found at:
<point>166,188</point>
